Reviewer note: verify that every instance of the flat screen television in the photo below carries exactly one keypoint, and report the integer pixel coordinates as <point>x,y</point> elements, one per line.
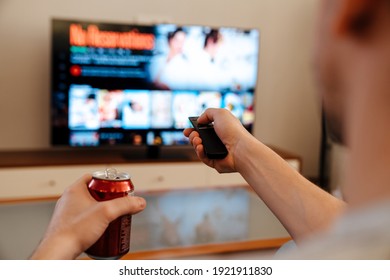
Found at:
<point>115,84</point>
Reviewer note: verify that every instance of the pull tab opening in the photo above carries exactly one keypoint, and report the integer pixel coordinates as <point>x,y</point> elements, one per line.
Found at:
<point>111,173</point>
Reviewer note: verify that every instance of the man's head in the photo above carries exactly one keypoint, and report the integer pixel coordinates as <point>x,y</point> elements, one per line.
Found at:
<point>349,33</point>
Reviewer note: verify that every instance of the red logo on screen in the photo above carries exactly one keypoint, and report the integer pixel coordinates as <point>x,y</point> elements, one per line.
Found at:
<point>93,37</point>
<point>75,70</point>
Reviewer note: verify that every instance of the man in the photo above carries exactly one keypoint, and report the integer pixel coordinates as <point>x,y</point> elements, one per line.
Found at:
<point>352,64</point>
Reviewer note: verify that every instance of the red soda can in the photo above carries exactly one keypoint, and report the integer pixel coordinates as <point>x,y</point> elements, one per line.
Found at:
<point>115,241</point>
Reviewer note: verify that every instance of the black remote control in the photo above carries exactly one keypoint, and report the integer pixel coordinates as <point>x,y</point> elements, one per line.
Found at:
<point>213,146</point>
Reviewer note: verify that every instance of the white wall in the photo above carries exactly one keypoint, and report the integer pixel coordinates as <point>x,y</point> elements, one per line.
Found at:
<point>337,163</point>
<point>287,107</point>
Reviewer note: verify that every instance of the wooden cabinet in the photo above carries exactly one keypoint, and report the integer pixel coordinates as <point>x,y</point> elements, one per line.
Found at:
<point>34,183</point>
<point>43,175</point>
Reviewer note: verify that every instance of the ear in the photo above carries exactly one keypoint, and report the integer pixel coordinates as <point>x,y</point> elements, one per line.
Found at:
<point>354,17</point>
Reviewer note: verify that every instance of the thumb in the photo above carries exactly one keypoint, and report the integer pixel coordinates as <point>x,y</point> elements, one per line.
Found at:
<point>207,116</point>
<point>115,208</point>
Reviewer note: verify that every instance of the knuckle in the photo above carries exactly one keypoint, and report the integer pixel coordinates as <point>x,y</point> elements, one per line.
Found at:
<point>107,211</point>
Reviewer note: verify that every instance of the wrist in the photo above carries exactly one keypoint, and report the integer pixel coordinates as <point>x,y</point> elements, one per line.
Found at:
<point>58,247</point>
<point>243,151</point>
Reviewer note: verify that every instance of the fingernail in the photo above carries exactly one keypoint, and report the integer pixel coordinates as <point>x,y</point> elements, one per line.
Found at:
<point>141,202</point>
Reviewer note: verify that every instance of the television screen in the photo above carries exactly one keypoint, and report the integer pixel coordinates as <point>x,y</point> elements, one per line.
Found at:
<point>116,84</point>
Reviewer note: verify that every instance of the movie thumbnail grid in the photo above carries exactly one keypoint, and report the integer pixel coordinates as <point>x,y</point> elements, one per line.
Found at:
<point>93,110</point>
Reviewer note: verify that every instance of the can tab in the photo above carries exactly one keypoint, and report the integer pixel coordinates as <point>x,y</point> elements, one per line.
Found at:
<point>111,173</point>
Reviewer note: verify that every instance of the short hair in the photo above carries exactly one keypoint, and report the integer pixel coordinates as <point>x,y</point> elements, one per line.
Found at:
<point>214,35</point>
<point>173,33</point>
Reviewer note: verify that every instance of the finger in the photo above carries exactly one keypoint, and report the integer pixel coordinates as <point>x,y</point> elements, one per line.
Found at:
<point>207,116</point>
<point>200,151</point>
<point>86,178</point>
<point>193,135</point>
<point>188,131</point>
<point>196,141</point>
<point>115,208</point>
<point>202,156</point>
<point>79,187</point>
<point>83,180</point>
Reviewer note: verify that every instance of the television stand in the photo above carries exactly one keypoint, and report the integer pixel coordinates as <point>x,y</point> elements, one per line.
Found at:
<point>153,152</point>
<point>160,153</point>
